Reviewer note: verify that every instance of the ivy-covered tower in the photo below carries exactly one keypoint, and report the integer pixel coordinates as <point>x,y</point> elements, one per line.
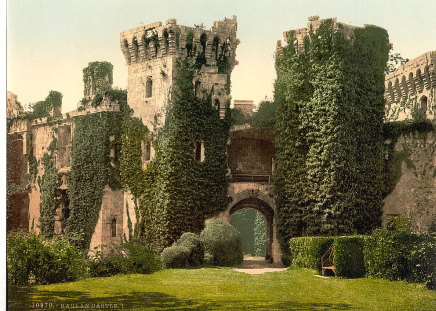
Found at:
<point>329,160</point>
<point>179,88</point>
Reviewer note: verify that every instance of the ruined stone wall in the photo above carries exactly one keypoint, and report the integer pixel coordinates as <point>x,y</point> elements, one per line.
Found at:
<point>17,200</point>
<point>413,173</point>
<point>411,89</point>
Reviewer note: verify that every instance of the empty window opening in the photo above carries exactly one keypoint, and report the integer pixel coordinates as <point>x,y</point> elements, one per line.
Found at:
<point>423,105</point>
<point>199,151</point>
<point>203,42</point>
<point>165,36</point>
<point>215,46</point>
<point>146,151</point>
<point>189,43</point>
<point>149,87</point>
<point>114,228</point>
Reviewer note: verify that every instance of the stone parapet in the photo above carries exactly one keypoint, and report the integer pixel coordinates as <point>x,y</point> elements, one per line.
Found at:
<point>158,40</point>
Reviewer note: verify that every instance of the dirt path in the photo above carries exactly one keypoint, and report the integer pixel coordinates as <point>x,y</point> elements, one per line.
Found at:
<point>258,265</point>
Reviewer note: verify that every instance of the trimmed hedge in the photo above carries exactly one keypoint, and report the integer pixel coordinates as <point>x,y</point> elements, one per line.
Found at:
<point>196,248</point>
<point>348,256</point>
<point>175,256</point>
<point>306,252</point>
<point>396,255</point>
<point>223,242</point>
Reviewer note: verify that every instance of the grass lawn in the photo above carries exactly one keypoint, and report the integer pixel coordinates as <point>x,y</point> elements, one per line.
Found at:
<point>224,289</point>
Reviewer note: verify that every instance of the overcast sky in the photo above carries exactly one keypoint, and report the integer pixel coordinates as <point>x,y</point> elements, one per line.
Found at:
<point>49,42</point>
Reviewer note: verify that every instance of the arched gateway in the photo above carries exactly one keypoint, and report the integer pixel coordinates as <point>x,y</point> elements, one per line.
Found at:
<point>251,152</point>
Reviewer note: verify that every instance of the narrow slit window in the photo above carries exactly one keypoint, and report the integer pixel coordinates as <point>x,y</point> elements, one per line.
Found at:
<point>114,228</point>
<point>146,151</point>
<point>199,151</point>
<point>149,88</point>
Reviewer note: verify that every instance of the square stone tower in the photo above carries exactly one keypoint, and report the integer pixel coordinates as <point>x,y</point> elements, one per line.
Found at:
<point>151,52</point>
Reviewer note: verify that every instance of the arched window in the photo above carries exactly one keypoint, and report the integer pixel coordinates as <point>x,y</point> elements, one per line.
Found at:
<point>423,105</point>
<point>114,228</point>
<point>149,88</point>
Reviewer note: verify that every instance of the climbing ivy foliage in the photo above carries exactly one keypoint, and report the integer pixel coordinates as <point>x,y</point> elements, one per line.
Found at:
<point>50,182</point>
<point>99,76</point>
<point>91,169</point>
<point>180,191</point>
<point>330,109</point>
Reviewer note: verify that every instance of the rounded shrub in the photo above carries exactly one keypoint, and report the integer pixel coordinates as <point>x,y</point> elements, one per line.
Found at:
<point>196,248</point>
<point>223,242</point>
<point>175,256</point>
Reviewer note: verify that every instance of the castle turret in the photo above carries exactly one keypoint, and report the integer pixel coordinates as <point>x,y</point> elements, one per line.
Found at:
<point>151,52</point>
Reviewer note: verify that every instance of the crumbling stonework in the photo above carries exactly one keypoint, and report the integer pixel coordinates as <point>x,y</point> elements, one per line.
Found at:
<point>410,91</point>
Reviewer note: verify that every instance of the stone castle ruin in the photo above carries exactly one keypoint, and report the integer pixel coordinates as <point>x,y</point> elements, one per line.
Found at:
<point>151,53</point>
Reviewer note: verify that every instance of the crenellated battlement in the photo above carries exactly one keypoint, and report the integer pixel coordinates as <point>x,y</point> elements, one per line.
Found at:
<point>156,40</point>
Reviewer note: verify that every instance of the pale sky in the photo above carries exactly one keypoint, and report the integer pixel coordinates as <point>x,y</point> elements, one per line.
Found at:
<point>49,42</point>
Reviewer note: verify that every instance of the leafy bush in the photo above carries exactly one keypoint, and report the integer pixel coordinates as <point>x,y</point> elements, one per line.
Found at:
<point>196,248</point>
<point>32,259</point>
<point>140,259</point>
<point>423,261</point>
<point>222,241</point>
<point>306,252</point>
<point>400,255</point>
<point>107,264</point>
<point>175,256</point>
<point>348,256</point>
<point>126,258</point>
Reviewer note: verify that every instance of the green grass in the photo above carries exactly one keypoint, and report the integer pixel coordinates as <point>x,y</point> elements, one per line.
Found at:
<point>225,289</point>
